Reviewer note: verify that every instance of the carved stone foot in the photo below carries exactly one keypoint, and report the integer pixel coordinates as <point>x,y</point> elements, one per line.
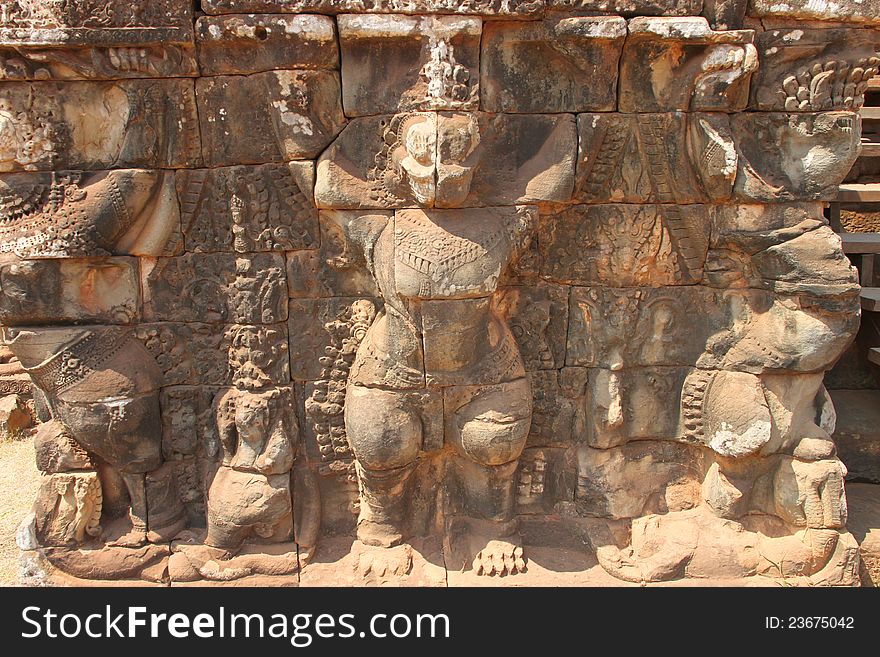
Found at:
<point>134,538</point>
<point>500,557</point>
<point>381,563</point>
<point>490,548</point>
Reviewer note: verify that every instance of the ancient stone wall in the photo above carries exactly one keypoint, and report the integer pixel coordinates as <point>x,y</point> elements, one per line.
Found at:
<point>413,270</point>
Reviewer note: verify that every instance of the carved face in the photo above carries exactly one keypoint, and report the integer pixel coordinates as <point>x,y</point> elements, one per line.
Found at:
<point>252,419</point>
<point>417,157</point>
<point>459,137</point>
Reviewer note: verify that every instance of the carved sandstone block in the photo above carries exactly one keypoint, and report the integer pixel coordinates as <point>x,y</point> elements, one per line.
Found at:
<point>629,7</point>
<point>308,336</point>
<point>98,125</point>
<point>682,64</point>
<point>211,354</point>
<point>97,21</point>
<point>68,508</point>
<point>216,288</point>
<point>336,270</point>
<point>517,159</point>
<point>557,406</point>
<point>663,158</point>
<point>380,162</point>
<point>78,214</point>
<point>794,156</point>
<point>855,11</point>
<point>636,479</point>
<point>96,39</point>
<point>616,328</point>
<point>188,427</point>
<point>427,63</point>
<point>249,208</point>
<point>249,43</point>
<point>805,258</point>
<point>71,290</point>
<point>268,117</point>
<point>489,8</point>
<point>538,319</point>
<point>579,51</point>
<point>57,451</point>
<point>813,70</point>
<point>40,60</point>
<point>630,404</point>
<point>626,245</point>
<point>448,160</point>
<point>766,332</point>
<point>754,221</point>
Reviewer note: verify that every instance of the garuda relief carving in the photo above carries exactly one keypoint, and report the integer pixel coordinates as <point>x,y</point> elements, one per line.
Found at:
<point>415,389</point>
<point>403,285</point>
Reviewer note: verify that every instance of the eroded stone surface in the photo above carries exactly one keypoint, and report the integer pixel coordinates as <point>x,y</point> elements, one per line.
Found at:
<point>844,11</point>
<point>579,50</point>
<point>448,160</point>
<point>681,63</point>
<point>72,290</point>
<point>813,70</point>
<point>464,299</point>
<point>222,288</point>
<point>433,62</point>
<point>249,44</point>
<point>268,117</point>
<point>47,126</point>
<point>502,8</point>
<point>78,214</point>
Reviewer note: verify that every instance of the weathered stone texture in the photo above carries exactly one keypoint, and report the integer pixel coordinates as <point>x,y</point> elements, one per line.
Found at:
<point>221,288</point>
<point>447,285</point>
<point>855,11</point>
<point>579,50</point>
<point>504,8</point>
<point>64,214</point>
<point>680,64</point>
<point>207,354</point>
<point>47,126</point>
<point>427,63</point>
<point>248,208</point>
<point>812,70</point>
<point>448,160</point>
<point>70,290</point>
<point>626,245</point>
<point>96,21</point>
<point>647,7</point>
<point>249,44</point>
<point>268,117</point>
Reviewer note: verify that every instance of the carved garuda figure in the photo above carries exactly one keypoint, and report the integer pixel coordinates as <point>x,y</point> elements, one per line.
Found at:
<point>438,375</point>
<point>101,387</point>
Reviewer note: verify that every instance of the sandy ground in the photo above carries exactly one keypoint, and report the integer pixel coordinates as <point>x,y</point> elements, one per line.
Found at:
<point>18,487</point>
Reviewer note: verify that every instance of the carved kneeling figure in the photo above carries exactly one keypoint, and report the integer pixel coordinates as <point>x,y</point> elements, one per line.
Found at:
<point>250,494</point>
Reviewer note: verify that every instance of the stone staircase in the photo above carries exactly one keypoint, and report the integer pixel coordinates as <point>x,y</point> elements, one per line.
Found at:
<point>855,214</point>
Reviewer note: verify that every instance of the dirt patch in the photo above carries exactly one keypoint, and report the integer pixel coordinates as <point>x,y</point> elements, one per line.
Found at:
<point>19,481</point>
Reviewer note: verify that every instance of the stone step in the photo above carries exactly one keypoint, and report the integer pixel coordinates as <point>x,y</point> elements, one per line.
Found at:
<point>859,193</point>
<point>870,146</point>
<point>874,355</point>
<point>870,297</point>
<point>863,502</point>
<point>870,113</point>
<point>860,242</point>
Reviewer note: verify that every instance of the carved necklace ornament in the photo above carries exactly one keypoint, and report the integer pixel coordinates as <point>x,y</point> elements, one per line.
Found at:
<point>434,251</point>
